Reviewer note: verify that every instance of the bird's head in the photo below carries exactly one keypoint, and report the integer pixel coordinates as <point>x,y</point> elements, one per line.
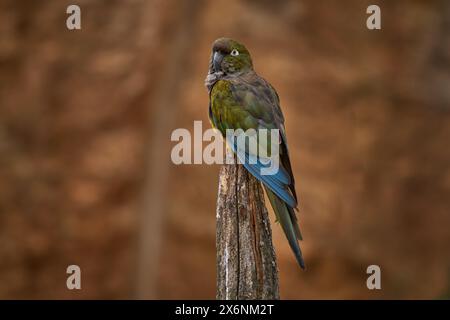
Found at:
<point>229,57</point>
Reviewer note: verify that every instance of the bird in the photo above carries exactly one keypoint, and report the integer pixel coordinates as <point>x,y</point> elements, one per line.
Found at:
<point>240,99</point>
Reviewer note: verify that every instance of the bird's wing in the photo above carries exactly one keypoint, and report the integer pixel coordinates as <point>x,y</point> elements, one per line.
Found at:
<point>251,103</point>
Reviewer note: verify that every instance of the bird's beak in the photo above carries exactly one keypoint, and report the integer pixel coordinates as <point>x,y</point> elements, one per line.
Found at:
<point>217,61</point>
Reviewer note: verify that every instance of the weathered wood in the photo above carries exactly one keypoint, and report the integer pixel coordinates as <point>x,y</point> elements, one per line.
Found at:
<point>246,262</point>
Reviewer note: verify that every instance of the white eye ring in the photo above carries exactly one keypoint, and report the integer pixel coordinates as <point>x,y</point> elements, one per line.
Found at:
<point>234,53</point>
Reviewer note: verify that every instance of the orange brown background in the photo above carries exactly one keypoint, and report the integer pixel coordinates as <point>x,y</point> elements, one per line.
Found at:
<point>85,124</point>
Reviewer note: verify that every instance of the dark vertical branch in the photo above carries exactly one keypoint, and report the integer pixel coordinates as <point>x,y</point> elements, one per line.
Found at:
<point>154,196</point>
<point>246,262</point>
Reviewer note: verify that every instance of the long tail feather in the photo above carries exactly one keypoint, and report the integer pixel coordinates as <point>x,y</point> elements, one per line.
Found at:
<point>286,216</point>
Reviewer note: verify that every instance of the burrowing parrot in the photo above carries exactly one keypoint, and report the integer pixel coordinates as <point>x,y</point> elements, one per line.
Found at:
<point>241,99</point>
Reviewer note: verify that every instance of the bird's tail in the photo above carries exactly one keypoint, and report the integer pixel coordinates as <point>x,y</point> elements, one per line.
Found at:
<point>286,216</point>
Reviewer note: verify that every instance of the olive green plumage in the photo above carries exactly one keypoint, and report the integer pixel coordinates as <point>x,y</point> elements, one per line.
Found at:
<point>240,99</point>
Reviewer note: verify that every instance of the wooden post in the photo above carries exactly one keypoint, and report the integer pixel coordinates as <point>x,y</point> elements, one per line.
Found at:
<point>246,262</point>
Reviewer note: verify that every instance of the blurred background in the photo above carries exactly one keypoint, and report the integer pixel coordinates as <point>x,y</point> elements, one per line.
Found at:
<point>85,124</point>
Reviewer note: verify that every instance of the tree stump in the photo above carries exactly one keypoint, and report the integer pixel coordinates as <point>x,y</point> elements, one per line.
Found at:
<point>246,262</point>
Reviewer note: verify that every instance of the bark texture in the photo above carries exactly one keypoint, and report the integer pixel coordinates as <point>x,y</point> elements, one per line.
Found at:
<point>246,262</point>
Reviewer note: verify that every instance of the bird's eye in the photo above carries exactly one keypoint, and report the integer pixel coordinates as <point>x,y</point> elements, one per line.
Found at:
<point>234,53</point>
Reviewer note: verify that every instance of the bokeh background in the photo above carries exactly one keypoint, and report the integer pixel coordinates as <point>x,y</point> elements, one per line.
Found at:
<point>85,124</point>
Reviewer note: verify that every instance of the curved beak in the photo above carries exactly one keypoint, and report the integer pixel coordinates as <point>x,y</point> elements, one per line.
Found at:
<point>217,61</point>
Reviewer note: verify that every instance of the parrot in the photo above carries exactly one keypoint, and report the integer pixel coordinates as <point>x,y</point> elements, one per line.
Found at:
<point>240,99</point>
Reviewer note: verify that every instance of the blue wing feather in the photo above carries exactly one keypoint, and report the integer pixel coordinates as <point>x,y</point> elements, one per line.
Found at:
<point>277,182</point>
